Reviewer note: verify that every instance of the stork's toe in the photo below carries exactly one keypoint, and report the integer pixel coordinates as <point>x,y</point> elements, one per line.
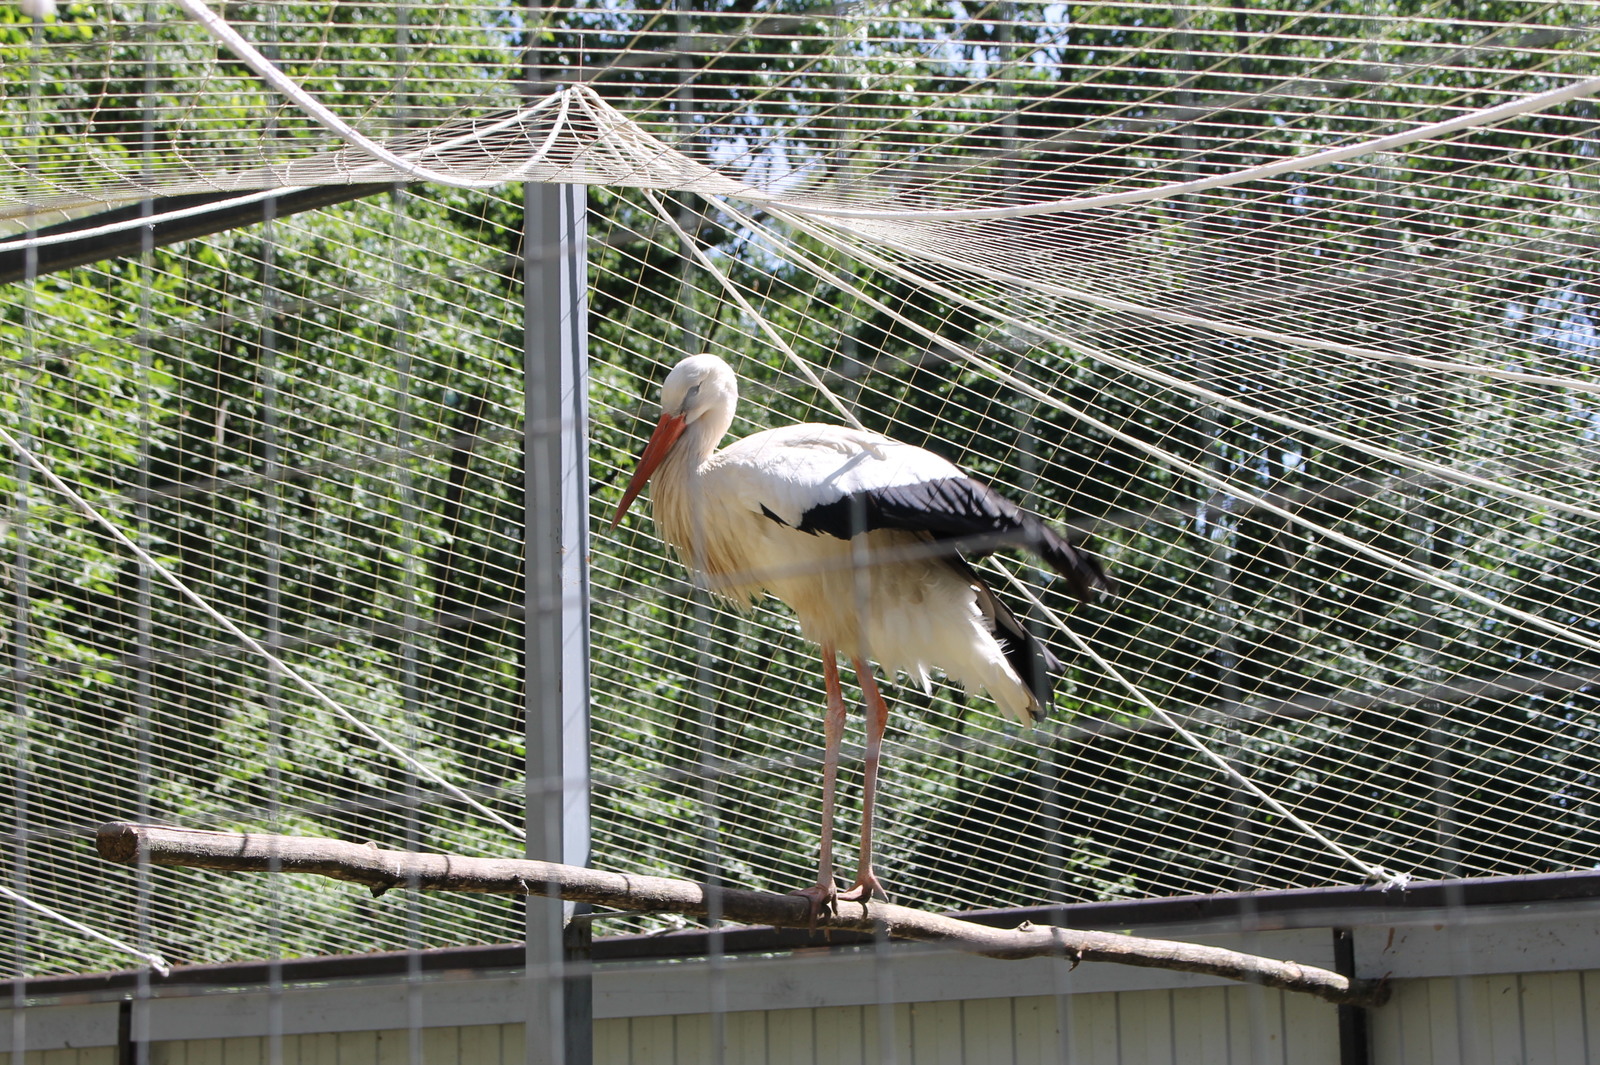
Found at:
<point>821,897</point>
<point>866,888</point>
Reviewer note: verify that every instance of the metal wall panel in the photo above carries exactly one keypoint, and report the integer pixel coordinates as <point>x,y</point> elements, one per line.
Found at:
<point>988,1031</point>
<point>611,1040</point>
<point>840,1034</point>
<point>1200,1025</point>
<point>1226,1026</point>
<point>1526,1019</point>
<point>1539,1018</point>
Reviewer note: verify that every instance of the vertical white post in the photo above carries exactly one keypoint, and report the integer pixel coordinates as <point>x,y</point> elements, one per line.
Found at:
<point>556,599</point>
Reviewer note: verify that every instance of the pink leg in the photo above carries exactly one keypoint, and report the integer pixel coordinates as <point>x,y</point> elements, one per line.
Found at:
<point>867,884</point>
<point>822,894</point>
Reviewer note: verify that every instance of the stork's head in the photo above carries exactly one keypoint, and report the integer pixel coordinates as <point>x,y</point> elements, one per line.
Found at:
<point>698,386</point>
<point>700,391</point>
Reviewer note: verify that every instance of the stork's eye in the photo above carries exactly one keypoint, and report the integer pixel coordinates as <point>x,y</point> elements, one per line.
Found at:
<point>693,392</point>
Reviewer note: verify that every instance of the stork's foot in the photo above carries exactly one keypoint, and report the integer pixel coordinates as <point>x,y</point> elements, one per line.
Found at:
<point>866,888</point>
<point>821,897</point>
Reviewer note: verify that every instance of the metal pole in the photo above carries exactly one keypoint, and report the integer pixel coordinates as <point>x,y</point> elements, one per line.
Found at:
<point>556,472</point>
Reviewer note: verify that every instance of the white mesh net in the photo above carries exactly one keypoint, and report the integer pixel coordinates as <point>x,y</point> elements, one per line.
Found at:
<point>1290,310</point>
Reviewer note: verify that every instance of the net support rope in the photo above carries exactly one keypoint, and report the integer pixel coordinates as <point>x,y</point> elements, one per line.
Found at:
<point>476,135</point>
<point>148,220</point>
<point>1378,451</point>
<point>699,255</point>
<point>1479,119</point>
<point>155,961</point>
<point>1113,303</point>
<point>227,624</point>
<point>225,34</point>
<point>608,119</point>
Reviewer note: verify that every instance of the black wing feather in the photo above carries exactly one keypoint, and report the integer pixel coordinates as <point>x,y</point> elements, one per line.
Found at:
<point>965,514</point>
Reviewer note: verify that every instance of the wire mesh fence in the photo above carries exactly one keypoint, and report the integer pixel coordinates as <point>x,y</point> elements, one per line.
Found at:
<point>1330,423</point>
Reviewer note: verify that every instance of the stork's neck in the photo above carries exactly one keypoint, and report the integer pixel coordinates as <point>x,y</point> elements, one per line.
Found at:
<point>697,444</point>
<point>675,501</point>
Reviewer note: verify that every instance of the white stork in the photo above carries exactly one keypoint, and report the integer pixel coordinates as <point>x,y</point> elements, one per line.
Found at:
<point>861,536</point>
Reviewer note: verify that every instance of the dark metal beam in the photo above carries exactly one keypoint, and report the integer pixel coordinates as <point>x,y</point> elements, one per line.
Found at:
<point>1338,902</point>
<point>1355,1022</point>
<point>131,241</point>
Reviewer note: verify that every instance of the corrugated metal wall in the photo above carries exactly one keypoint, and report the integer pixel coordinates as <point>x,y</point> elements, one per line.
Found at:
<point>1198,1026</point>
<point>1531,1018</point>
<point>1527,1019</point>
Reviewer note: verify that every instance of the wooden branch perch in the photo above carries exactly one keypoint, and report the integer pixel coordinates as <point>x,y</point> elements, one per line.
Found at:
<point>383,869</point>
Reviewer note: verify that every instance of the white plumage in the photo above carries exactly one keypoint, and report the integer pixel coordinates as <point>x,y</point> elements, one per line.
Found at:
<point>911,614</point>
<point>859,535</point>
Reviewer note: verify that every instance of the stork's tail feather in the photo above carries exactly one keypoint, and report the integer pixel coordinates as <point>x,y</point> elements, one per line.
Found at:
<point>1033,662</point>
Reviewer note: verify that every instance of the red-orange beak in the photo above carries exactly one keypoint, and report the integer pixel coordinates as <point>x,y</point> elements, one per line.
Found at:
<point>668,429</point>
